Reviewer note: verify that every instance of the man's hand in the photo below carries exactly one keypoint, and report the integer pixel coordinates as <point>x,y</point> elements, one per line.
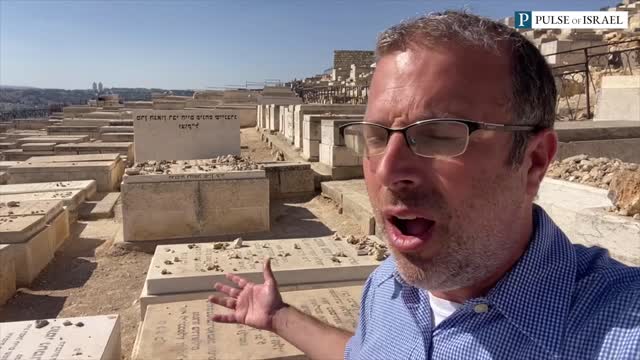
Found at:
<point>252,304</point>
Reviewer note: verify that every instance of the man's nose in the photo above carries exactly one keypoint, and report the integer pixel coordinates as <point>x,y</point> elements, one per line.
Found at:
<point>398,168</point>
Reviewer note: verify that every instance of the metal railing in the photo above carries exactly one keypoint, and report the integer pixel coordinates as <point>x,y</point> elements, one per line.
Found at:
<point>577,79</point>
<point>582,77</point>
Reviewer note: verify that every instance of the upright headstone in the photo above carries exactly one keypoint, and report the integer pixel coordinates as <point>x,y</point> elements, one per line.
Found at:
<point>185,134</point>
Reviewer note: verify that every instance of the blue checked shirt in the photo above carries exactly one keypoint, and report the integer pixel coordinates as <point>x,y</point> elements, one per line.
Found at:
<point>560,301</point>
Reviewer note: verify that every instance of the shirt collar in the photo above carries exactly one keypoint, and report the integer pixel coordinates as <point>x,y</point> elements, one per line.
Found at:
<point>535,294</point>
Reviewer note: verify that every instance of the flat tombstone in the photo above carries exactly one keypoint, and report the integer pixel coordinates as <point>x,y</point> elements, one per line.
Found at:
<point>7,274</point>
<point>97,338</point>
<point>18,229</point>
<point>70,198</point>
<point>74,158</point>
<point>190,268</point>
<point>185,134</point>
<point>89,186</point>
<point>183,330</point>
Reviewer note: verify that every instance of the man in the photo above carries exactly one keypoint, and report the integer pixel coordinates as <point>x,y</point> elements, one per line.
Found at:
<point>457,138</point>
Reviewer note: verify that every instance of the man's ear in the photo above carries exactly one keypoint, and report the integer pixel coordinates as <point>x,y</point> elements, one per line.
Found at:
<point>541,149</point>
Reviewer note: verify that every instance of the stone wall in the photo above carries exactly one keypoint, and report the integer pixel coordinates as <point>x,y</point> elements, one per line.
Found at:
<point>342,60</point>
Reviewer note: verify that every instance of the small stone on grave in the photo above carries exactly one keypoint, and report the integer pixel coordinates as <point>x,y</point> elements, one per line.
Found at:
<point>41,323</point>
<point>237,243</point>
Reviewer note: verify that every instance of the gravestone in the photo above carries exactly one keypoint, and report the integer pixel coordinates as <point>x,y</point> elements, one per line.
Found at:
<point>7,274</point>
<point>34,230</point>
<point>88,186</point>
<point>311,133</point>
<point>107,173</point>
<point>184,330</point>
<point>185,134</point>
<point>619,98</point>
<point>91,337</point>
<point>195,267</point>
<point>335,158</point>
<point>194,198</point>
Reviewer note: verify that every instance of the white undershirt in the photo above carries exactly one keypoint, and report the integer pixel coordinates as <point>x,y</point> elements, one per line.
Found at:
<point>441,308</point>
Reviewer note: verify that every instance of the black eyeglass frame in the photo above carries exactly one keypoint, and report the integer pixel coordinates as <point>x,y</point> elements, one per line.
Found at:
<point>472,126</point>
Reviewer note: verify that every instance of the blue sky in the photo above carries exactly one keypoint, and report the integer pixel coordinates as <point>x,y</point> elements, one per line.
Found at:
<point>187,44</point>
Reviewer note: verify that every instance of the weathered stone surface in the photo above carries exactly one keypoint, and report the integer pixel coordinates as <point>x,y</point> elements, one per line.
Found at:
<point>17,229</point>
<point>74,158</point>
<point>4,165</point>
<point>88,186</point>
<point>100,209</point>
<point>192,134</point>
<point>71,198</point>
<point>186,208</point>
<point>122,148</point>
<point>199,265</point>
<point>107,174</point>
<point>38,146</point>
<point>98,338</point>
<point>58,139</point>
<point>580,211</point>
<point>7,274</point>
<point>619,98</point>
<point>60,229</point>
<point>185,330</point>
<point>116,137</point>
<point>335,156</point>
<point>289,179</point>
<point>32,256</point>
<point>48,208</point>
<point>624,191</point>
<point>8,145</point>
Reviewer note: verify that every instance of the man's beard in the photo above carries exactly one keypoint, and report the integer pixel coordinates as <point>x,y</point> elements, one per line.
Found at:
<point>472,240</point>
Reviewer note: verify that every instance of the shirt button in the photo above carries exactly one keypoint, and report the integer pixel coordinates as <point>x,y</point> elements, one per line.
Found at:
<point>481,308</point>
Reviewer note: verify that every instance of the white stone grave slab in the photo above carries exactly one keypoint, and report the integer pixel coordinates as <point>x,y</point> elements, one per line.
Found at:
<point>107,174</point>
<point>580,211</point>
<point>33,255</point>
<point>74,158</point>
<point>318,260</point>
<point>185,134</point>
<point>17,229</point>
<point>70,198</point>
<point>88,186</point>
<point>7,275</point>
<point>91,337</point>
<point>38,146</point>
<point>49,208</point>
<point>194,204</point>
<point>147,299</point>
<point>183,330</point>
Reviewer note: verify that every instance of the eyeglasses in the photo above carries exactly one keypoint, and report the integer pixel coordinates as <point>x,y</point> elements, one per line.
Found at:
<point>427,138</point>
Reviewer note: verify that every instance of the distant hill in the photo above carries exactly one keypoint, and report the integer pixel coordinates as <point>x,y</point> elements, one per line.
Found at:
<point>23,97</point>
<point>16,87</point>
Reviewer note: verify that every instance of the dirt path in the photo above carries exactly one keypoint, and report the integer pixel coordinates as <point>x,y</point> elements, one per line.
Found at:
<point>89,276</point>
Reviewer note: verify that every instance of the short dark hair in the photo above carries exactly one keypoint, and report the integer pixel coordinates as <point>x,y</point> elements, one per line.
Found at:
<point>533,99</point>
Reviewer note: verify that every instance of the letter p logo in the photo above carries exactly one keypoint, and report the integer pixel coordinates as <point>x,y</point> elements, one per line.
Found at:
<point>523,19</point>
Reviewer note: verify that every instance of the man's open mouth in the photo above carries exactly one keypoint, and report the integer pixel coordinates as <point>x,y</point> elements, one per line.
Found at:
<point>408,232</point>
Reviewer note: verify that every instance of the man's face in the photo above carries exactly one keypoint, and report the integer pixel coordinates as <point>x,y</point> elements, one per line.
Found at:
<point>447,221</point>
